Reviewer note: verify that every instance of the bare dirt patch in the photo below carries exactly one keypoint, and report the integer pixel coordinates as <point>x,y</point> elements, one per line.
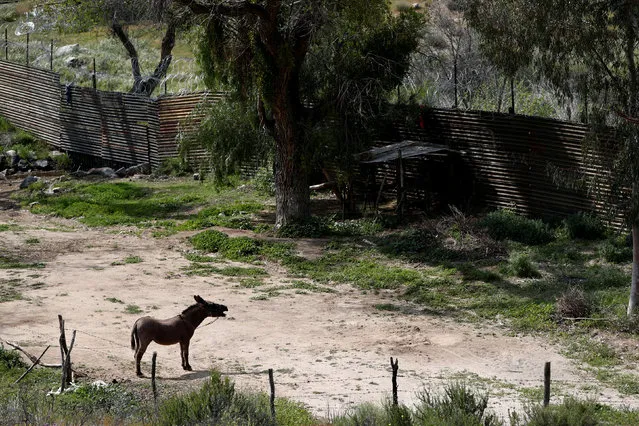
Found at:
<point>328,350</point>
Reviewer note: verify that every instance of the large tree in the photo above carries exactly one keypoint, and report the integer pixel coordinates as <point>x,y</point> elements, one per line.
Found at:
<point>261,48</point>
<point>586,48</point>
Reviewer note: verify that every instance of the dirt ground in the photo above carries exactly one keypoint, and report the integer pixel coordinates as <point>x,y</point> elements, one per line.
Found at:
<point>329,350</point>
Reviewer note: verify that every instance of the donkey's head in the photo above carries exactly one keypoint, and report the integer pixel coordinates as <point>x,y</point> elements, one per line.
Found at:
<point>213,309</point>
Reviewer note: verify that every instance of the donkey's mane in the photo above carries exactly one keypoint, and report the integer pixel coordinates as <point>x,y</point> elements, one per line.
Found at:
<point>191,308</point>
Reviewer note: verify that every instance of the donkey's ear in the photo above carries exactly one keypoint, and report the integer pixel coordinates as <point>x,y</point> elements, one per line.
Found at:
<point>198,299</point>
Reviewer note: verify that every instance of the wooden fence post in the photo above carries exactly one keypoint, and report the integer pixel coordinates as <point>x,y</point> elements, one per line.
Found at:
<point>93,77</point>
<point>27,49</point>
<point>153,386</point>
<point>67,378</point>
<point>547,384</point>
<point>272,384</point>
<point>395,367</point>
<point>51,56</point>
<point>64,355</point>
<point>6,45</point>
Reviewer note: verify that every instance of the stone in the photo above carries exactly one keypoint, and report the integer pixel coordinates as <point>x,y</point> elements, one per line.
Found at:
<point>42,164</point>
<point>67,50</point>
<point>28,181</point>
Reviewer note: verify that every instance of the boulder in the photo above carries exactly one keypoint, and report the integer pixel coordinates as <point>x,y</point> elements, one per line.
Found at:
<point>67,50</point>
<point>28,181</point>
<point>42,164</point>
<point>23,165</point>
<point>106,172</point>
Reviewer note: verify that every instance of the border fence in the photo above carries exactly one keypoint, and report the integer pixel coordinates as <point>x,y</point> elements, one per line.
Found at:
<point>494,160</point>
<point>97,127</point>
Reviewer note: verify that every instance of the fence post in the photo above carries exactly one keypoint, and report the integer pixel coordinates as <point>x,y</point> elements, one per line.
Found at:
<point>93,77</point>
<point>512,95</point>
<point>6,45</point>
<point>51,56</point>
<point>27,49</point>
<point>395,367</point>
<point>547,384</point>
<point>455,74</point>
<point>153,386</point>
<point>272,384</point>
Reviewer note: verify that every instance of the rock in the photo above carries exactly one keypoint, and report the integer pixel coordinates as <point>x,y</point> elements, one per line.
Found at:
<point>23,165</point>
<point>74,62</point>
<point>196,176</point>
<point>121,172</point>
<point>106,172</point>
<point>28,181</point>
<point>42,164</point>
<point>67,50</point>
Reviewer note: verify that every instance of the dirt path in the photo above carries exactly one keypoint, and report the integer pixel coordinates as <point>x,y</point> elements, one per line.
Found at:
<point>328,350</point>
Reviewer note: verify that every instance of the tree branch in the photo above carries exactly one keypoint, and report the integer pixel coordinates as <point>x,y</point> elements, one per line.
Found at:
<point>229,8</point>
<point>126,42</point>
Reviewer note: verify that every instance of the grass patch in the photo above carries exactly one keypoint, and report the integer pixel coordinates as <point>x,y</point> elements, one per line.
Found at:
<point>132,309</point>
<point>114,300</point>
<point>204,270</point>
<point>9,290</point>
<point>133,259</point>
<point>390,307</point>
<point>251,282</point>
<point>7,262</point>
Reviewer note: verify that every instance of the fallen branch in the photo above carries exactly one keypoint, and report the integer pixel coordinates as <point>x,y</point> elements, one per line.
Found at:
<point>33,359</point>
<point>32,365</point>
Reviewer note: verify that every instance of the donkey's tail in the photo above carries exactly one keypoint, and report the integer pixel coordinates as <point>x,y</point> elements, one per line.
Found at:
<point>135,341</point>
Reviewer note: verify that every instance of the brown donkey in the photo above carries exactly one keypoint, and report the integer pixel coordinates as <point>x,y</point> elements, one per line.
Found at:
<point>178,329</point>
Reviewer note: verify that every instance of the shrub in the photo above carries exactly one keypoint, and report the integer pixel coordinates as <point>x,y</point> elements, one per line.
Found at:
<point>505,224</point>
<point>584,226</point>
<point>570,413</point>
<point>241,248</point>
<point>10,359</point>
<point>458,406</point>
<point>521,266</point>
<point>215,403</point>
<point>313,227</point>
<point>616,250</point>
<point>264,181</point>
<point>6,126</point>
<point>573,303</point>
<point>173,167</point>
<point>209,241</point>
<point>63,162</point>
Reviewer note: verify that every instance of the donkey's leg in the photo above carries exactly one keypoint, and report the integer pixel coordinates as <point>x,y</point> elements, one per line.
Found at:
<point>184,351</point>
<point>143,344</point>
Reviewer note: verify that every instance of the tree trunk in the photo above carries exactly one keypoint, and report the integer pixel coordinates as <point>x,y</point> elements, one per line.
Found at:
<point>634,290</point>
<point>292,194</point>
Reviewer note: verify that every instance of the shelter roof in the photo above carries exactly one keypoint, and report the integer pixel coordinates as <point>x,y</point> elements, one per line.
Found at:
<point>406,148</point>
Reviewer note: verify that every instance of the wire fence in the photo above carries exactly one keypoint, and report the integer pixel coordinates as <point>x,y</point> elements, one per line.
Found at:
<point>364,387</point>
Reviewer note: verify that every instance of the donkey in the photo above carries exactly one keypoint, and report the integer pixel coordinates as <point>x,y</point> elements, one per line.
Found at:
<point>178,329</point>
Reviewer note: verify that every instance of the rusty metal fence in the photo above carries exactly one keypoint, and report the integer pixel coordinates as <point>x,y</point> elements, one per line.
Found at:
<point>501,160</point>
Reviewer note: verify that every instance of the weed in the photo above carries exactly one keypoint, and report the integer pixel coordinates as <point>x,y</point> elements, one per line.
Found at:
<point>114,300</point>
<point>387,307</point>
<point>32,240</point>
<point>133,259</point>
<point>10,263</point>
<point>573,303</point>
<point>520,265</point>
<point>251,282</point>
<point>584,226</point>
<point>505,224</point>
<point>570,413</point>
<point>132,309</point>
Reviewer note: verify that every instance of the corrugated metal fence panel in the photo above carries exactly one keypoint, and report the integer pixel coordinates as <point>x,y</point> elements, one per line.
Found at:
<point>30,99</point>
<point>182,113</point>
<point>514,159</point>
<point>117,127</point>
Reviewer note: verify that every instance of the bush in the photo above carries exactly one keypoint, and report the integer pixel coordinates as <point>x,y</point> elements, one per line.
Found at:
<point>173,167</point>
<point>573,303</point>
<point>570,413</point>
<point>505,224</point>
<point>521,266</point>
<point>616,250</point>
<point>458,406</point>
<point>209,241</point>
<point>10,359</point>
<point>313,227</point>
<point>584,226</point>
<point>215,403</point>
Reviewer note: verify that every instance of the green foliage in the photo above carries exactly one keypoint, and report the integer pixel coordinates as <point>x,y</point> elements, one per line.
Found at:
<point>312,227</point>
<point>571,412</point>
<point>6,126</point>
<point>584,226</point>
<point>231,135</point>
<point>63,161</point>
<point>209,241</point>
<point>133,309</point>
<point>173,167</point>
<point>216,402</point>
<point>264,181</point>
<point>520,265</point>
<point>10,359</point>
<point>235,215</point>
<point>505,224</point>
<point>616,250</point>
<point>459,405</point>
